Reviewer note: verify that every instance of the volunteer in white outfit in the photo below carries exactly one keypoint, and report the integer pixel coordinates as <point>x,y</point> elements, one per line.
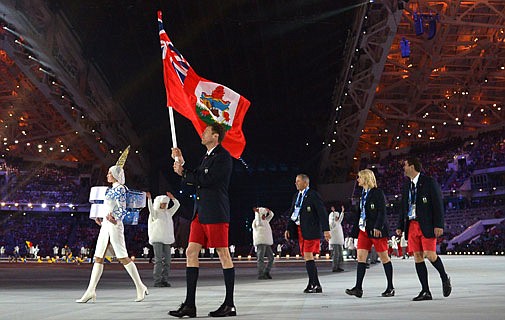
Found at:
<point>112,232</point>
<point>263,240</point>
<point>337,239</point>
<point>160,228</point>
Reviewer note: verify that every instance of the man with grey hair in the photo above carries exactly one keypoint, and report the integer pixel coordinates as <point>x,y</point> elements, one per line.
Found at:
<point>308,219</point>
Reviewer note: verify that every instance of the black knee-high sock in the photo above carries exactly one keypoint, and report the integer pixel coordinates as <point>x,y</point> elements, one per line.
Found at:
<point>440,268</point>
<point>388,269</point>
<point>310,266</point>
<point>229,283</point>
<point>422,274</point>
<point>191,280</point>
<point>316,277</point>
<point>360,275</point>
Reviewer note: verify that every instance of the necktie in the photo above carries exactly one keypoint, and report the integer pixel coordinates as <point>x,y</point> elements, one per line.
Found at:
<point>412,192</point>
<point>412,201</point>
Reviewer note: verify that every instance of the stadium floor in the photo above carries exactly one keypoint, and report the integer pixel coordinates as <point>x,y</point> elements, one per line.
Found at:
<point>47,291</point>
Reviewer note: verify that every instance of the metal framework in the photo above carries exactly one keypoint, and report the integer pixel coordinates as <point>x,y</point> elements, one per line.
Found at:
<point>54,105</point>
<point>451,85</point>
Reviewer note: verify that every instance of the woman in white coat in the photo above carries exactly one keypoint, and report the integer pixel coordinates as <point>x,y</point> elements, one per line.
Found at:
<point>112,232</point>
<point>337,239</point>
<point>160,228</point>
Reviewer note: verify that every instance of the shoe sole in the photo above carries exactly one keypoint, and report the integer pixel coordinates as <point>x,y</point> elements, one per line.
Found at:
<point>352,294</point>
<point>231,314</point>
<point>185,315</point>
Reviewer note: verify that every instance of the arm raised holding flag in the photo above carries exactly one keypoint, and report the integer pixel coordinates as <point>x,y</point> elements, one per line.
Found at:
<point>217,114</point>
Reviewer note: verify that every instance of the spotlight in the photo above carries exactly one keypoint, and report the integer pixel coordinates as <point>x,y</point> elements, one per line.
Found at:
<point>418,24</point>
<point>405,48</point>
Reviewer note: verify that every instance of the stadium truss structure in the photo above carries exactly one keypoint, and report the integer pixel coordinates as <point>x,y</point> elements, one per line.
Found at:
<point>55,105</point>
<point>451,84</point>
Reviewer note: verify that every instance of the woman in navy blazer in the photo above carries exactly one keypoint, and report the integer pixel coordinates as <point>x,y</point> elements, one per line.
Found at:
<point>371,229</point>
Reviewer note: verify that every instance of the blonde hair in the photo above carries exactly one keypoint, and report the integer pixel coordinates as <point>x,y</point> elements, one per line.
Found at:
<point>368,177</point>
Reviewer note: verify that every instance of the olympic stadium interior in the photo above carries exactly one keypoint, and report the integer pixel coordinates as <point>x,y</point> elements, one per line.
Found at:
<point>335,86</point>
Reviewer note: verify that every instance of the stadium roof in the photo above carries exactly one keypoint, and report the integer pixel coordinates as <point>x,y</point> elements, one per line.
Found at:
<point>296,61</point>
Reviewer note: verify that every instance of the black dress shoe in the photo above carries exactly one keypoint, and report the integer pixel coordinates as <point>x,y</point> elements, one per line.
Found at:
<point>262,277</point>
<point>354,292</point>
<point>184,310</point>
<point>389,293</point>
<point>446,286</point>
<point>315,289</point>
<point>309,287</point>
<point>423,295</point>
<point>224,311</point>
<point>267,274</point>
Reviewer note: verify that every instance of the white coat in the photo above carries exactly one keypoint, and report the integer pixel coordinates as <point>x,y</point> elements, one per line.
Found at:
<point>262,232</point>
<point>160,226</point>
<point>394,244</point>
<point>336,231</point>
<point>403,242</point>
<point>115,202</point>
<point>349,243</point>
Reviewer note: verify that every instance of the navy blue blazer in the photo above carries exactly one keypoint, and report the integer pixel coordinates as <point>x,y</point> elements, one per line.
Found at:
<point>429,206</point>
<point>211,180</point>
<point>313,217</point>
<point>375,215</point>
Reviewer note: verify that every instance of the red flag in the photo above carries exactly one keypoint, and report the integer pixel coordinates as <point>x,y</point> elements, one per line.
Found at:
<point>202,101</point>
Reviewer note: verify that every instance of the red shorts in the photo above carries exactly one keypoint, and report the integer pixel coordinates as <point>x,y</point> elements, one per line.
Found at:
<point>211,235</point>
<point>417,241</point>
<point>308,245</point>
<point>365,242</point>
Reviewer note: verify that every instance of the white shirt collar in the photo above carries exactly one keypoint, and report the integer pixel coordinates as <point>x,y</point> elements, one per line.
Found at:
<point>210,151</point>
<point>304,190</point>
<point>416,178</point>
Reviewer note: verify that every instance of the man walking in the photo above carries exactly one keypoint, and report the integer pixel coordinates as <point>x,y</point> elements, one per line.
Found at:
<point>308,218</point>
<point>211,217</point>
<point>422,219</point>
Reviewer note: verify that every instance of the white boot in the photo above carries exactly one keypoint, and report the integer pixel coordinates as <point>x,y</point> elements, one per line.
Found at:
<point>134,274</point>
<point>90,294</point>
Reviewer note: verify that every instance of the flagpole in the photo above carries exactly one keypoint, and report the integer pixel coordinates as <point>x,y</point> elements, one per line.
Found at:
<point>172,129</point>
<point>172,126</point>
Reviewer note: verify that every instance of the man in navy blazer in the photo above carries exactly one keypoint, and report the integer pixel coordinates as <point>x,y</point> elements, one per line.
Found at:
<point>308,218</point>
<point>211,217</point>
<point>422,219</point>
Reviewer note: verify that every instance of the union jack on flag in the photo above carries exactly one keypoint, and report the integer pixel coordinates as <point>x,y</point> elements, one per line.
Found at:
<point>200,100</point>
<point>178,62</point>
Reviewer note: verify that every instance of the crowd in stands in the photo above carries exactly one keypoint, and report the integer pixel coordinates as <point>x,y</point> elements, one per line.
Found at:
<point>490,242</point>
<point>36,182</point>
<point>487,150</point>
<point>451,163</point>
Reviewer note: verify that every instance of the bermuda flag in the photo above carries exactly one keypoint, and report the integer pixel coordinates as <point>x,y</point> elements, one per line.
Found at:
<point>202,101</point>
